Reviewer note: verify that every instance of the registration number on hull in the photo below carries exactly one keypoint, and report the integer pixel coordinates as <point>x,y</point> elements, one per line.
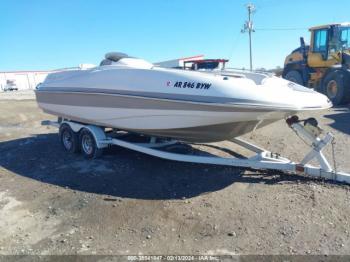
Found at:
<point>195,85</point>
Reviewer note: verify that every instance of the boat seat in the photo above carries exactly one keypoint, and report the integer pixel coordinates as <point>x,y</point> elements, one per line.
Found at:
<point>115,56</point>
<point>106,62</point>
<point>112,57</point>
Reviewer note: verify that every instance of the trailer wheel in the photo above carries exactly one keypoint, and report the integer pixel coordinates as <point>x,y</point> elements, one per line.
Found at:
<point>88,145</point>
<point>294,76</point>
<point>333,88</point>
<point>69,139</point>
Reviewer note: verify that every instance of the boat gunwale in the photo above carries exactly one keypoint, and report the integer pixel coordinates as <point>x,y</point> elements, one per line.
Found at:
<point>243,105</point>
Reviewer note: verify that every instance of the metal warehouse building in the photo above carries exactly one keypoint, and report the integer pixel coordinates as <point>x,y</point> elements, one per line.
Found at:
<point>22,79</point>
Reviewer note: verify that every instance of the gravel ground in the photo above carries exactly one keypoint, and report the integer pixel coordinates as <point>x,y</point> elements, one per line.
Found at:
<point>130,203</point>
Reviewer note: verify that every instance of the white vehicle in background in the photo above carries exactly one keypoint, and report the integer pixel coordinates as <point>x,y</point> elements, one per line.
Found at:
<point>10,86</point>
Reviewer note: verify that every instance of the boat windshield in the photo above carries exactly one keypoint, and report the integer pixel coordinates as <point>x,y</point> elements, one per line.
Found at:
<point>206,65</point>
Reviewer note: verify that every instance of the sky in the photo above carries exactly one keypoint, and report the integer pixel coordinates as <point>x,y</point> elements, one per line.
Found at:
<point>44,35</point>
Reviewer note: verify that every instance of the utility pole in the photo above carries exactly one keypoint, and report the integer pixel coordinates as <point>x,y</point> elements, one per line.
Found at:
<point>248,27</point>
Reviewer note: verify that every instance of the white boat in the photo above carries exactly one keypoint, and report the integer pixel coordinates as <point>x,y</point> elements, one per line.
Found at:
<point>131,94</point>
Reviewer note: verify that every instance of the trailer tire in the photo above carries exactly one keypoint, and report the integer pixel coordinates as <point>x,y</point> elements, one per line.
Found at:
<point>68,139</point>
<point>88,145</point>
<point>334,88</point>
<point>294,76</point>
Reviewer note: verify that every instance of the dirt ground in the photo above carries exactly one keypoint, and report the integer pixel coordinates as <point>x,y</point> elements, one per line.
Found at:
<point>130,203</point>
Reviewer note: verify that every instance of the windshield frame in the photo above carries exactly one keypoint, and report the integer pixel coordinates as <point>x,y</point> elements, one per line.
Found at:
<point>345,42</point>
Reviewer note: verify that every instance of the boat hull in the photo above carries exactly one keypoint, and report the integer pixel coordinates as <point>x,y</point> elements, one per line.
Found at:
<point>183,120</point>
<point>133,95</point>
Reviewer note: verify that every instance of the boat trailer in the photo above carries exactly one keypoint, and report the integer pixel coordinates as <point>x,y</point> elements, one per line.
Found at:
<point>91,139</point>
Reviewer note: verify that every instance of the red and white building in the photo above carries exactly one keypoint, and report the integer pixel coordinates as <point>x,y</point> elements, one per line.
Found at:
<point>178,63</point>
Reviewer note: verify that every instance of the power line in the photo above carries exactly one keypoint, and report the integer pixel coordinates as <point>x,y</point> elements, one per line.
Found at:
<point>234,46</point>
<point>281,29</point>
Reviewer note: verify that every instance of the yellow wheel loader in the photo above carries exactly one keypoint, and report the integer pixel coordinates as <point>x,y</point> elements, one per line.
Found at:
<point>324,64</point>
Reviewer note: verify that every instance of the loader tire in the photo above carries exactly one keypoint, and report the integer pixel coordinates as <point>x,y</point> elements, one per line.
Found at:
<point>334,88</point>
<point>294,76</point>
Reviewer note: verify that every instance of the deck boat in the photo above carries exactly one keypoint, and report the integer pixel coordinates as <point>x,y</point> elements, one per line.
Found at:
<point>131,94</point>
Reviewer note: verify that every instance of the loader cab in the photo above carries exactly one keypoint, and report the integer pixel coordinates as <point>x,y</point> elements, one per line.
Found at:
<point>326,43</point>
<point>325,64</point>
<point>344,36</point>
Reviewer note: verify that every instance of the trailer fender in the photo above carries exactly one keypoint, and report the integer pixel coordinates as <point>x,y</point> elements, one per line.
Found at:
<point>98,134</point>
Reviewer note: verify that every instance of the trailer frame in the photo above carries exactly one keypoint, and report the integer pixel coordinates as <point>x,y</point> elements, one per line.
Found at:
<point>261,160</point>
